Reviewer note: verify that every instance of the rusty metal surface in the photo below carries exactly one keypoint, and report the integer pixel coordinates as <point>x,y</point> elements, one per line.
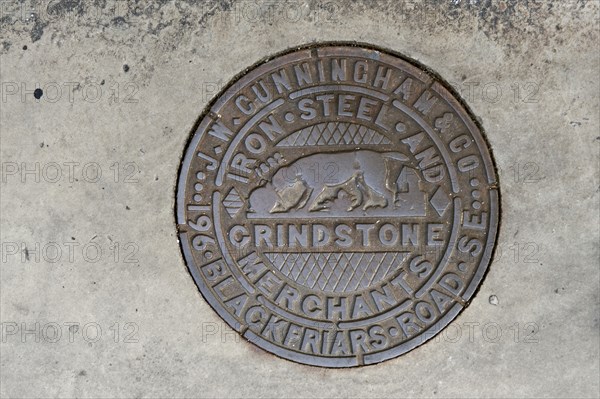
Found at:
<point>337,206</point>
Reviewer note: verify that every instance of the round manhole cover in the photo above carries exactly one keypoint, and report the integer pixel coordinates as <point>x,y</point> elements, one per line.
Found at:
<point>337,206</point>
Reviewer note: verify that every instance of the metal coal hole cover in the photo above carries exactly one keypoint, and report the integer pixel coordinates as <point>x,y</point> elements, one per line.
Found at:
<point>337,206</point>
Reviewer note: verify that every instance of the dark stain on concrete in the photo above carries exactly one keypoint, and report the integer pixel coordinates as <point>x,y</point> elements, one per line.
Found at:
<point>66,7</point>
<point>38,30</point>
<point>120,22</point>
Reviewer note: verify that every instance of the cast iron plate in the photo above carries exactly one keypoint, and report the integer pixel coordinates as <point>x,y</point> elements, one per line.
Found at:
<point>337,205</point>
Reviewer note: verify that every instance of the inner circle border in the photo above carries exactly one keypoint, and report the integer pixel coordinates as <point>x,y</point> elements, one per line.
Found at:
<point>349,49</point>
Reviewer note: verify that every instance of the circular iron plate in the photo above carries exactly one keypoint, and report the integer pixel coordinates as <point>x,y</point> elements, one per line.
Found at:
<point>337,206</point>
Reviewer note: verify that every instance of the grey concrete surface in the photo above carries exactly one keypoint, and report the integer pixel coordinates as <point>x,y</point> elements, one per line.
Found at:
<point>96,300</point>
